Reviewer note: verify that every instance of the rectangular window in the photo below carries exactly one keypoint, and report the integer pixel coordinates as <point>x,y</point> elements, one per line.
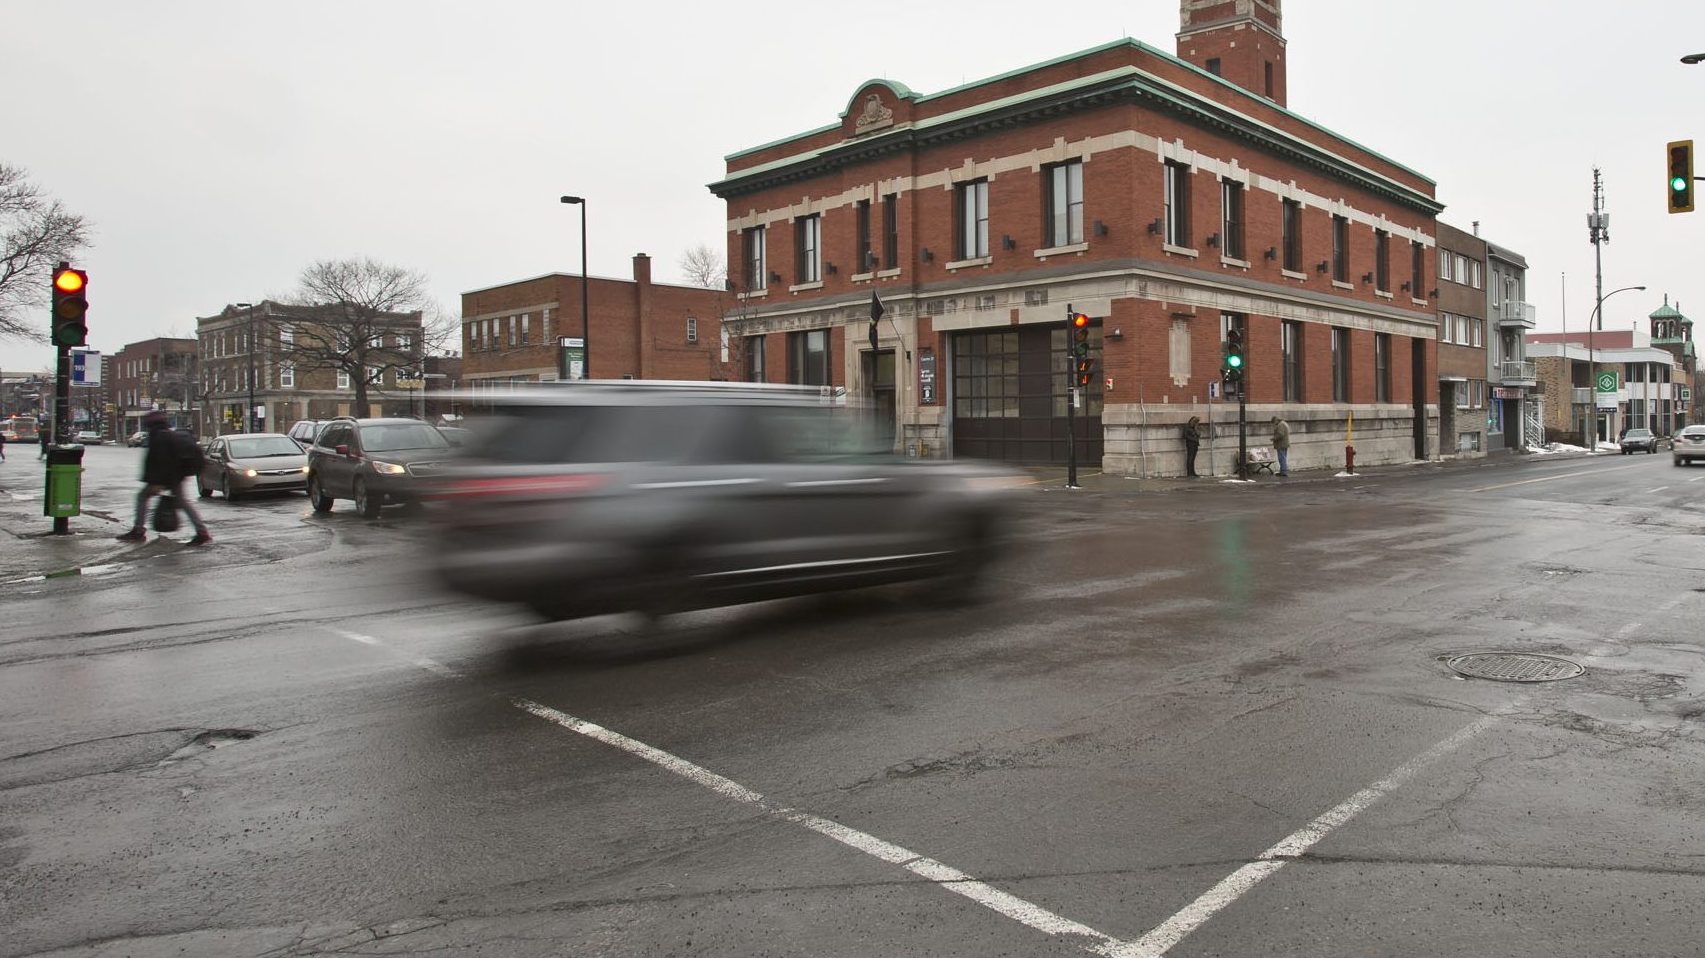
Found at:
<point>752,251</point>
<point>808,249</point>
<point>1382,367</point>
<point>1341,249</point>
<point>1340,365</point>
<point>866,259</point>
<point>1417,267</point>
<point>808,358</point>
<point>1065,204</point>
<point>513,328</point>
<point>1177,204</point>
<point>287,376</point>
<point>1479,332</point>
<point>1461,268</point>
<point>1214,65</point>
<point>973,232</point>
<point>403,341</point>
<point>1231,219</point>
<point>1474,273</point>
<point>755,359</point>
<point>1290,345</point>
<point>1293,235</point>
<point>692,329</point>
<point>1444,265</point>
<point>343,379</point>
<point>286,337</point>
<point>1382,261</point>
<point>891,231</point>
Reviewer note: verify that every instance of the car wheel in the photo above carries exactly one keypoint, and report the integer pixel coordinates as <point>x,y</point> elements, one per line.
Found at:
<point>225,488</point>
<point>317,496</point>
<point>367,505</point>
<point>965,582</point>
<point>201,489</point>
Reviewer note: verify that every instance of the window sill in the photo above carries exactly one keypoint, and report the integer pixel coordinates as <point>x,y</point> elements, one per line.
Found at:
<point>1417,302</point>
<point>803,287</point>
<point>755,294</point>
<point>1340,284</point>
<point>1382,294</point>
<point>1293,274</point>
<point>1180,250</point>
<point>1234,261</point>
<point>861,277</point>
<point>974,261</point>
<point>888,273</point>
<point>1061,250</point>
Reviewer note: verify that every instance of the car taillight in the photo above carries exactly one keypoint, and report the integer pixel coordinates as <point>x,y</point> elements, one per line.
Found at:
<point>519,486</point>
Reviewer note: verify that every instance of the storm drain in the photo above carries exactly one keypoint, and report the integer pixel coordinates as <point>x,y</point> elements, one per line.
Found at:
<point>1514,667</point>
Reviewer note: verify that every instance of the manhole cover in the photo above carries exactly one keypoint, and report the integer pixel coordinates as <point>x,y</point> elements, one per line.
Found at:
<point>1514,667</point>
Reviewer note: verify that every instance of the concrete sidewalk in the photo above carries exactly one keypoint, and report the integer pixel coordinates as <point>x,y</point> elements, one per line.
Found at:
<point>30,550</point>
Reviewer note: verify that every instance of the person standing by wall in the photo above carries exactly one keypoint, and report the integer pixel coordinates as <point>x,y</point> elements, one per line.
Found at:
<point>1282,444</point>
<point>1192,441</point>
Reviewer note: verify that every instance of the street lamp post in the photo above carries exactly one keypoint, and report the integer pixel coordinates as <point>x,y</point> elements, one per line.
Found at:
<point>585,312</point>
<point>1592,370</point>
<point>249,412</point>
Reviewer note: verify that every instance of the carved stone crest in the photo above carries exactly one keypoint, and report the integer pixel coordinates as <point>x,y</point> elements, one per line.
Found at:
<point>875,116</point>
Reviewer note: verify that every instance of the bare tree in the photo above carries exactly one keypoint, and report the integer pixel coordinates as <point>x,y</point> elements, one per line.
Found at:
<point>703,266</point>
<point>36,233</point>
<point>360,317</point>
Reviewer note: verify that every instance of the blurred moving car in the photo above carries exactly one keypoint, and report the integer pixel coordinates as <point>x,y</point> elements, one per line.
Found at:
<point>372,461</point>
<point>1638,440</point>
<point>137,439</point>
<point>456,435</point>
<point>251,462</point>
<point>587,499</point>
<point>1688,445</point>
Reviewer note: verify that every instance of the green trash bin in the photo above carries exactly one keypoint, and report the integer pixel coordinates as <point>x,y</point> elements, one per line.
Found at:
<point>64,497</point>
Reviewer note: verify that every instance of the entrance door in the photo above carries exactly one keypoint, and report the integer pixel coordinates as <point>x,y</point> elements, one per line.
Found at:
<point>879,379</point>
<point>1418,376</point>
<point>1010,390</point>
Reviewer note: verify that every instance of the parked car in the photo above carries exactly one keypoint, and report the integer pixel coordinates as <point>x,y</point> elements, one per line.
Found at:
<point>304,430</point>
<point>660,498</point>
<point>89,437</point>
<point>1638,440</point>
<point>372,461</point>
<point>1688,445</point>
<point>138,438</point>
<point>251,462</point>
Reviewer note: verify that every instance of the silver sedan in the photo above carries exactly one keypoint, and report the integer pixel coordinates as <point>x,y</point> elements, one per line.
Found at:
<point>253,462</point>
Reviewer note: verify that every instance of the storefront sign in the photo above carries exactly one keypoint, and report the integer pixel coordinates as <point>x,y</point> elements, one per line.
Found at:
<point>1506,392</point>
<point>926,377</point>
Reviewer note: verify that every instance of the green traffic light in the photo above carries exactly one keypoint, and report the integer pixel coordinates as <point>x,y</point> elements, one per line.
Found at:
<point>1678,183</point>
<point>1234,361</point>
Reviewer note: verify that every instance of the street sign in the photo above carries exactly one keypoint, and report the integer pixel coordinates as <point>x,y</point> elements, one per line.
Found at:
<point>85,367</point>
<point>1213,389</point>
<point>1607,381</point>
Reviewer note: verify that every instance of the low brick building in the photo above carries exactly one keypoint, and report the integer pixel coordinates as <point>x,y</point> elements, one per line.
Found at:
<point>637,329</point>
<point>160,373</point>
<point>1463,392</point>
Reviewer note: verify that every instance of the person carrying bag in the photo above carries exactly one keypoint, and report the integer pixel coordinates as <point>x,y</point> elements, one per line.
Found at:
<point>171,458</point>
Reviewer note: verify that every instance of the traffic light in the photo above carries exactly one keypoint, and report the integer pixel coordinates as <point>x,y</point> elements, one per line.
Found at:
<point>1681,176</point>
<point>1080,349</point>
<point>1231,368</point>
<point>70,306</point>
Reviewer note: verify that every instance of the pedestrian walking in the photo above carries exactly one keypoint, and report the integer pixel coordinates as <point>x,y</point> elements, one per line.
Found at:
<point>1282,444</point>
<point>171,459</point>
<point>1192,441</point>
<point>43,434</point>
<point>2,447</point>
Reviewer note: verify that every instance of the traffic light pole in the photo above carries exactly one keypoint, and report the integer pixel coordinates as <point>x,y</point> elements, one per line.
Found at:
<point>1242,433</point>
<point>61,418</point>
<point>1071,403</point>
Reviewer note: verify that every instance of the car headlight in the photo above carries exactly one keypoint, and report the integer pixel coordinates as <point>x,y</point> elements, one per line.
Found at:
<point>389,468</point>
<point>250,473</point>
<point>304,469</point>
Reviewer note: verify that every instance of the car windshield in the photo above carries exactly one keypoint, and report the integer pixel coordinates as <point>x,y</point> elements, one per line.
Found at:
<point>263,447</point>
<point>389,437</point>
<point>1639,434</point>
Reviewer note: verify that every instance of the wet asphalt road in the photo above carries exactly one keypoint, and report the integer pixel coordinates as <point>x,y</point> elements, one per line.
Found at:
<point>1206,721</point>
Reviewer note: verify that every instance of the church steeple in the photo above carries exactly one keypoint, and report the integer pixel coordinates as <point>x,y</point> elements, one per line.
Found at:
<point>1240,40</point>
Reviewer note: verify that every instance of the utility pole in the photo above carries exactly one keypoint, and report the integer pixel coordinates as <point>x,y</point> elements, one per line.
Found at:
<point>1598,226</point>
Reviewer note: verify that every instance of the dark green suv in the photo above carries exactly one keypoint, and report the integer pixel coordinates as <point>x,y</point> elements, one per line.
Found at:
<point>374,462</point>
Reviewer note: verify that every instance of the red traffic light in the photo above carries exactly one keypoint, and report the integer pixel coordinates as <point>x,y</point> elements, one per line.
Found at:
<point>1079,321</point>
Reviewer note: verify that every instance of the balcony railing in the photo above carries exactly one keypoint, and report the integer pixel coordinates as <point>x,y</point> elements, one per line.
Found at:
<point>1518,372</point>
<point>1517,314</point>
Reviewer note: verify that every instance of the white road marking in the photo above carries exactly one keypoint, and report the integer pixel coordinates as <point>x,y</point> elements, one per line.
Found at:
<point>1561,475</point>
<point>1658,489</point>
<point>435,667</point>
<point>1170,932</point>
<point>1696,480</point>
<point>945,876</point>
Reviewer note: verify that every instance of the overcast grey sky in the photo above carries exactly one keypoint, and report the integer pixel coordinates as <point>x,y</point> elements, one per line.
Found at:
<point>219,146</point>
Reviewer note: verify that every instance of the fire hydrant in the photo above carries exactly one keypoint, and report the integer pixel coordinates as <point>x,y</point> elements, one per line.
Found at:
<point>1350,459</point>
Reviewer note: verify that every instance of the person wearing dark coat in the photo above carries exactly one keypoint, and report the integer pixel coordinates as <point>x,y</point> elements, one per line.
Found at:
<point>1192,441</point>
<point>163,472</point>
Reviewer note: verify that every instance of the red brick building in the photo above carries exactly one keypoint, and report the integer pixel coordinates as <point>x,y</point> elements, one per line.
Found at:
<point>1168,197</point>
<point>637,329</point>
<point>158,373</point>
